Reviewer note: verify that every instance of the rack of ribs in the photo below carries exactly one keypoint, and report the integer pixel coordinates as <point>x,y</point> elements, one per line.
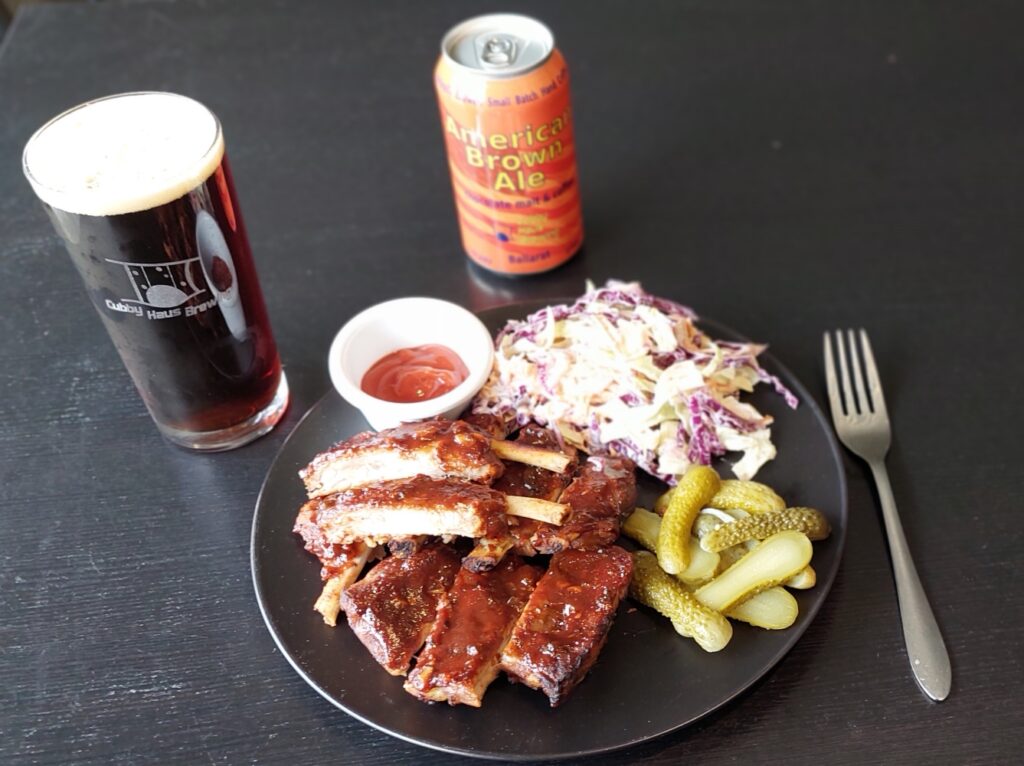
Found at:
<point>437,448</point>
<point>565,624</point>
<point>422,505</point>
<point>393,607</point>
<point>473,623</point>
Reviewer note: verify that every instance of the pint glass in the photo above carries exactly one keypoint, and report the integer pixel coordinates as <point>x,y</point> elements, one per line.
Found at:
<point>138,187</point>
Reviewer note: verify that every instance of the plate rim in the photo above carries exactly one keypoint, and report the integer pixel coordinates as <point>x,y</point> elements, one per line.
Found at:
<point>824,587</point>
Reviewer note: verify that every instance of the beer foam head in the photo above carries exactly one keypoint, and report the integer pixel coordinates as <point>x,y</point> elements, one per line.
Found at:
<point>123,153</point>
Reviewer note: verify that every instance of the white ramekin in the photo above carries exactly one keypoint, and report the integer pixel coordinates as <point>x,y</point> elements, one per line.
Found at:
<point>402,323</point>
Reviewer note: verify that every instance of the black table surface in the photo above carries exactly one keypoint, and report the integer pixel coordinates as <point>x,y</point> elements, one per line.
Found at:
<point>783,167</point>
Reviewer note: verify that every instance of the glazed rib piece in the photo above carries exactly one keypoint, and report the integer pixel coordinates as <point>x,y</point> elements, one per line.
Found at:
<point>406,546</point>
<point>334,557</point>
<point>488,424</point>
<point>474,621</point>
<point>566,621</point>
<point>438,448</point>
<point>487,552</point>
<point>422,505</point>
<point>328,603</point>
<point>601,495</point>
<point>341,563</point>
<point>392,609</point>
<point>531,481</point>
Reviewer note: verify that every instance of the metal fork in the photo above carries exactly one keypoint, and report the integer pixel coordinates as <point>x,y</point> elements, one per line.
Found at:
<point>863,426</point>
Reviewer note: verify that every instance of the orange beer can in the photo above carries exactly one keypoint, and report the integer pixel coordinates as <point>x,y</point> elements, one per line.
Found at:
<point>503,90</point>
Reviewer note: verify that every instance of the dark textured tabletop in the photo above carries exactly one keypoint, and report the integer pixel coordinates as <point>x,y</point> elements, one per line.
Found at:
<point>783,167</point>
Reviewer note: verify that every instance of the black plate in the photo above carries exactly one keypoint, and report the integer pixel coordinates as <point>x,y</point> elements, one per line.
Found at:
<point>647,682</point>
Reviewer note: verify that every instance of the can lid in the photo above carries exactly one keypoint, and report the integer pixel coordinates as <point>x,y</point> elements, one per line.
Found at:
<point>498,44</point>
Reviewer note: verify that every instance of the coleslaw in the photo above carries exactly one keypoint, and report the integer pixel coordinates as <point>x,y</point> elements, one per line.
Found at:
<point>622,371</point>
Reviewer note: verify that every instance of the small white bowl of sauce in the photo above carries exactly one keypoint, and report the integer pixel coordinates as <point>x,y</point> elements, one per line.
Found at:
<point>409,359</point>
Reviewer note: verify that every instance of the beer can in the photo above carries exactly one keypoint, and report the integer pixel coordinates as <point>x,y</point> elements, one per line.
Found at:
<point>503,91</point>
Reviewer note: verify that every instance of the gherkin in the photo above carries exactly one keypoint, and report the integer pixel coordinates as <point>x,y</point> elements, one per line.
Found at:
<point>661,504</point>
<point>696,487</point>
<point>802,580</point>
<point>662,592</point>
<point>710,518</point>
<point>762,526</point>
<point>643,526</point>
<point>702,566</point>
<point>704,523</point>
<point>749,496</point>
<point>773,609</point>
<point>771,563</point>
<point>730,556</point>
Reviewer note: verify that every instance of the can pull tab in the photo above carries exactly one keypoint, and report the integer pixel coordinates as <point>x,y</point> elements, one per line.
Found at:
<point>498,51</point>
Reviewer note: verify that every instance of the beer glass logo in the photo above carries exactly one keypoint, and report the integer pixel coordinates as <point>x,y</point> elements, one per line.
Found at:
<point>162,290</point>
<point>163,286</point>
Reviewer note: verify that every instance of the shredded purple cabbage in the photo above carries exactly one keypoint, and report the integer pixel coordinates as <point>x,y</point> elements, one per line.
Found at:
<point>697,433</point>
<point>777,384</point>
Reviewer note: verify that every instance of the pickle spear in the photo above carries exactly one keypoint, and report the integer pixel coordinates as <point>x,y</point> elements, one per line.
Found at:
<point>730,556</point>
<point>802,580</point>
<point>696,487</point>
<point>763,525</point>
<point>749,496</point>
<point>771,563</point>
<point>661,504</point>
<point>702,566</point>
<point>643,527</point>
<point>774,609</point>
<point>662,592</point>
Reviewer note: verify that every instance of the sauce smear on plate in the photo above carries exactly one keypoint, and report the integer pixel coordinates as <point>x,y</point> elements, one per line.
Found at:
<point>415,374</point>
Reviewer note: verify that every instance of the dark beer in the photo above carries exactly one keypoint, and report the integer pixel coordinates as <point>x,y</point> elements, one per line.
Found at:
<point>140,191</point>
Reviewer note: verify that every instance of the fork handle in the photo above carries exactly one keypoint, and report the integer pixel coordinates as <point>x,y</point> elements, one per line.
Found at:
<point>925,648</point>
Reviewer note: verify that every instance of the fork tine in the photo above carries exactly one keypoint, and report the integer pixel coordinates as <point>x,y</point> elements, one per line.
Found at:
<point>844,374</point>
<point>874,384</point>
<point>830,380</point>
<point>858,378</point>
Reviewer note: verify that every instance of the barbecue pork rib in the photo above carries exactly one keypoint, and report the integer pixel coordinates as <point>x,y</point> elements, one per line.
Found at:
<point>406,546</point>
<point>392,609</point>
<point>340,563</point>
<point>488,424</point>
<point>530,481</point>
<point>601,496</point>
<point>558,636</point>
<point>474,621</point>
<point>334,557</point>
<point>421,505</point>
<point>438,448</point>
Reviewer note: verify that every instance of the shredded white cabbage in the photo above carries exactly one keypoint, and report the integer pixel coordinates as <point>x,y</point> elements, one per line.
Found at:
<point>625,372</point>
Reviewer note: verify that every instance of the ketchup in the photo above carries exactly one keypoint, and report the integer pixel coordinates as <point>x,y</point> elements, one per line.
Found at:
<point>414,374</point>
